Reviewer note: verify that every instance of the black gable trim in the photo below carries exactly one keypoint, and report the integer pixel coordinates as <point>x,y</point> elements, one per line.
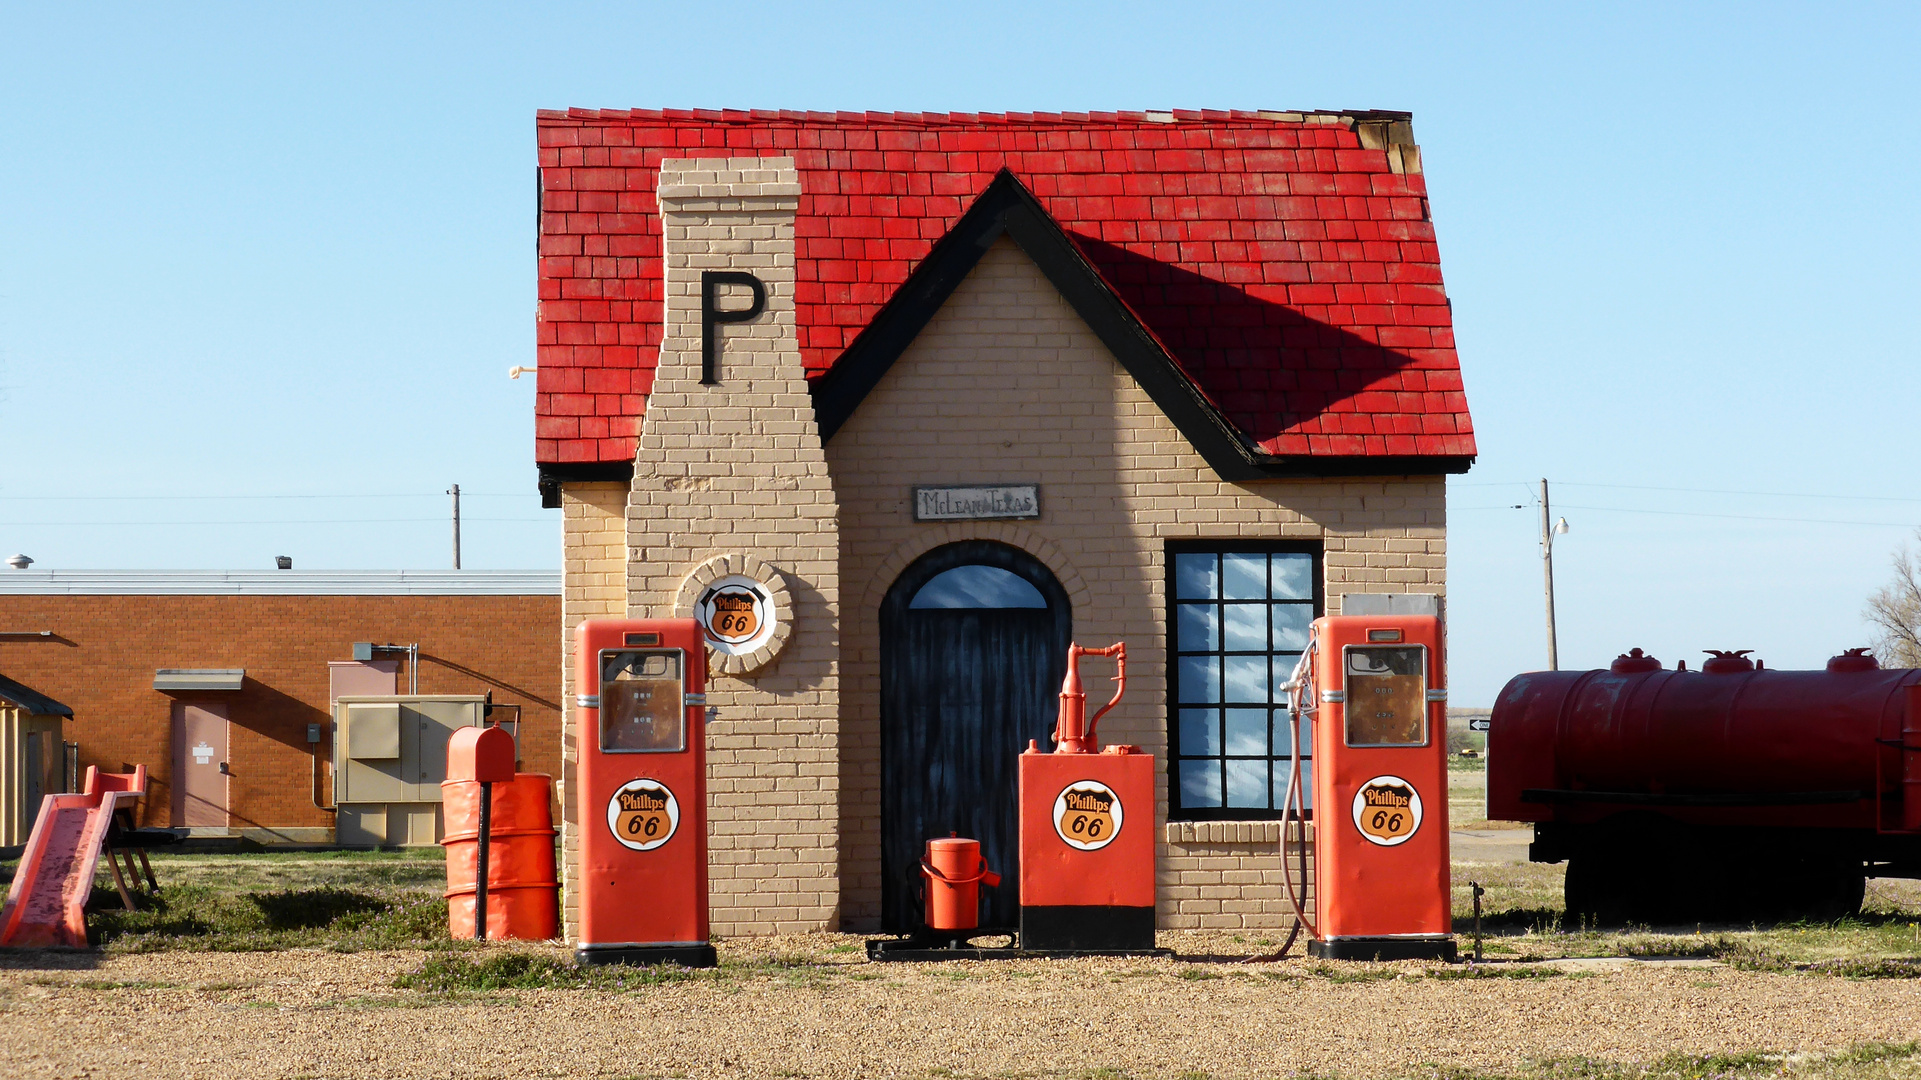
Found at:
<point>1007,207</point>
<point>31,700</point>
<point>574,472</point>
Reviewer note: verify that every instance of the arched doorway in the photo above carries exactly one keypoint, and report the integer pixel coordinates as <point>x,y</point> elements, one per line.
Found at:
<point>974,642</point>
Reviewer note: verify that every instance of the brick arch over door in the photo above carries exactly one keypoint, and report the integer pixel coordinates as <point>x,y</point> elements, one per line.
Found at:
<point>1010,534</point>
<point>969,674</point>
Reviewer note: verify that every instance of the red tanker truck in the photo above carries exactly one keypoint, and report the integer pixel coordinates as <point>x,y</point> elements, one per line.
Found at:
<point>1731,793</point>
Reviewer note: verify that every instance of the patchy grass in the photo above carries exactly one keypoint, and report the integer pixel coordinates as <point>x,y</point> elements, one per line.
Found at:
<point>200,917</point>
<point>451,973</point>
<point>342,900</point>
<point>1467,793</point>
<point>1523,917</point>
<point>1354,972</point>
<point>1518,894</point>
<point>103,984</point>
<point>1504,971</point>
<point>1866,1061</point>
<point>479,973</point>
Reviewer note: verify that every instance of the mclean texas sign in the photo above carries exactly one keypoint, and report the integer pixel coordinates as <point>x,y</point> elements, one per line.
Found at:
<point>977,502</point>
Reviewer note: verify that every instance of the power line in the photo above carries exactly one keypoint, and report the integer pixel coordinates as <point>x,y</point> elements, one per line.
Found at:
<point>1763,494</point>
<point>1701,514</point>
<point>1705,491</point>
<point>277,521</point>
<point>149,498</point>
<point>1748,517</point>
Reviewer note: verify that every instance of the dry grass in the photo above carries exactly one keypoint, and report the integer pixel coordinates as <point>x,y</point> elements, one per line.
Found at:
<point>343,900</point>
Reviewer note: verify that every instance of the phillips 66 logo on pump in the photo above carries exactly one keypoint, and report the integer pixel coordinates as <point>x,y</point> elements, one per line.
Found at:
<point>1370,687</point>
<point>643,815</point>
<point>1088,815</point>
<point>1387,810</point>
<point>643,791</point>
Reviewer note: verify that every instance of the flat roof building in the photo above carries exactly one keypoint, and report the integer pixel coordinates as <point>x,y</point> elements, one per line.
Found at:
<point>221,682</point>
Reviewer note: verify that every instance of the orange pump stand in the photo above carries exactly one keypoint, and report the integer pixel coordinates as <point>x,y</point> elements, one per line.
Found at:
<point>642,899</point>
<point>1087,851</point>
<point>1374,900</point>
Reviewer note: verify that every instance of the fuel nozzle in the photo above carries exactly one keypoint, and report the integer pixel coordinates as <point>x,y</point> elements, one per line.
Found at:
<point>1073,731</point>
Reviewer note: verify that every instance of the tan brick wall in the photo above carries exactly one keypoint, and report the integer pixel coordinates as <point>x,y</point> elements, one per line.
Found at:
<point>1007,384</point>
<point>594,555</point>
<point>737,469</point>
<point>1227,874</point>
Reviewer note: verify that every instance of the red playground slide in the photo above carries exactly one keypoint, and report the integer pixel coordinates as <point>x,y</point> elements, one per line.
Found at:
<point>47,903</point>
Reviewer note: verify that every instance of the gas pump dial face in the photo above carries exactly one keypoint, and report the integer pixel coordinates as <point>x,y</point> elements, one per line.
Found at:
<point>643,814</point>
<point>1387,811</point>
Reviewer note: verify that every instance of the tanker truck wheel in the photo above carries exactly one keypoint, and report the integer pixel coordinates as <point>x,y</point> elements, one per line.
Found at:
<point>1597,891</point>
<point>1835,892</point>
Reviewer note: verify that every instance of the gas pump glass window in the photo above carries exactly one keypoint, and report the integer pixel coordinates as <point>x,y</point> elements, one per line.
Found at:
<point>1386,695</point>
<point>642,709</point>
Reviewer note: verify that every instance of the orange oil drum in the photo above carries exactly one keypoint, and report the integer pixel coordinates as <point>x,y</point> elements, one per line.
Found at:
<point>523,898</point>
<point>953,872</point>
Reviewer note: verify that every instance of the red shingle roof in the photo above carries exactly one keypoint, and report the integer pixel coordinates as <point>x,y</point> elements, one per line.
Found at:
<point>1291,272</point>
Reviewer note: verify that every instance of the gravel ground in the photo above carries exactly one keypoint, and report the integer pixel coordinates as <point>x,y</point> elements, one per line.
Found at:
<point>323,1014</point>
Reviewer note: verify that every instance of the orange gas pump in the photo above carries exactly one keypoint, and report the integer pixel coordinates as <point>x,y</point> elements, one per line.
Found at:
<point>1087,831</point>
<point>642,792</point>
<point>1372,687</point>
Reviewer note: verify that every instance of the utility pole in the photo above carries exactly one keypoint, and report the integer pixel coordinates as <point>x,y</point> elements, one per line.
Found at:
<point>455,492</point>
<point>1548,533</point>
<point>1547,570</point>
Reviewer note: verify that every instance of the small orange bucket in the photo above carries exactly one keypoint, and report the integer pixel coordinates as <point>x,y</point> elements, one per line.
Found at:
<point>953,872</point>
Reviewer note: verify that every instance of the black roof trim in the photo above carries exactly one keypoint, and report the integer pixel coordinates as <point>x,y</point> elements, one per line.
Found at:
<point>579,472</point>
<point>1007,207</point>
<point>33,701</point>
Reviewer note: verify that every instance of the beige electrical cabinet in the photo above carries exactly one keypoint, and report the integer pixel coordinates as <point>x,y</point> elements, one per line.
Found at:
<point>389,757</point>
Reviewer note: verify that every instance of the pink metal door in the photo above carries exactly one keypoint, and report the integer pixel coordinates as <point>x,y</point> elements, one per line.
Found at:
<point>348,677</point>
<point>200,764</point>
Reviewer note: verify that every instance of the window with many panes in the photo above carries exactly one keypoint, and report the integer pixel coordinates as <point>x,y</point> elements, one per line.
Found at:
<point>1237,621</point>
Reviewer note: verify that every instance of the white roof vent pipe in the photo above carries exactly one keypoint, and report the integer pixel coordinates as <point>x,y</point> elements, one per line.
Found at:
<point>19,562</point>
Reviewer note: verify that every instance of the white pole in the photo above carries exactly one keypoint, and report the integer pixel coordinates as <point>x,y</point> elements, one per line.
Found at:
<point>1547,573</point>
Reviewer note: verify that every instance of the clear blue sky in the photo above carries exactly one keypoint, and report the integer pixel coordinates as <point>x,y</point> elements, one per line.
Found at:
<point>263,269</point>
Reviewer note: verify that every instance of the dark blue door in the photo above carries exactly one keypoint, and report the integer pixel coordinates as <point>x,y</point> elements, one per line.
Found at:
<point>974,642</point>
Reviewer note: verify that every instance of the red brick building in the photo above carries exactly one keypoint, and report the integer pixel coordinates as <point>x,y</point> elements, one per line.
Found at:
<point>134,653</point>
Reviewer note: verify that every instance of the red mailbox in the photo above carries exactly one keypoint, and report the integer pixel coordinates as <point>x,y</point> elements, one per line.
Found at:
<point>642,793</point>
<point>1374,689</point>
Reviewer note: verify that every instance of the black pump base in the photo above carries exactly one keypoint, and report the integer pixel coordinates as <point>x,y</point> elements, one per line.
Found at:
<point>693,955</point>
<point>1361,948</point>
<point>925,945</point>
<point>932,946</point>
<point>1090,929</point>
